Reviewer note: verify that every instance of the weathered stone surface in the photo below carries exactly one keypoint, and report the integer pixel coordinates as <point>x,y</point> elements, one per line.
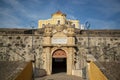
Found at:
<point>10,69</point>
<point>39,73</point>
<point>59,76</point>
<point>103,45</point>
<point>111,70</point>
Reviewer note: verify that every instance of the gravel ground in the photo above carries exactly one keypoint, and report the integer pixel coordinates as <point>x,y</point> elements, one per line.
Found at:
<point>59,76</point>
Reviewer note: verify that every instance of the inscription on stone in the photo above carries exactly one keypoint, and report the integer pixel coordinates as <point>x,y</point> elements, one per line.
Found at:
<point>59,40</point>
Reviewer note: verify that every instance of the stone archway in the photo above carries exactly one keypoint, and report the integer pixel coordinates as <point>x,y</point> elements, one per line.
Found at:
<point>59,61</point>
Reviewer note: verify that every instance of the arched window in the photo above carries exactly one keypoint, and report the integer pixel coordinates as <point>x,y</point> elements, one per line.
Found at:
<point>66,22</point>
<point>48,23</point>
<point>58,22</point>
<point>43,25</point>
<point>73,25</point>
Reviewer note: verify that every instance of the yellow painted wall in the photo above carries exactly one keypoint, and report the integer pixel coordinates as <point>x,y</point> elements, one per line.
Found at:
<point>76,22</point>
<point>54,20</point>
<point>94,72</point>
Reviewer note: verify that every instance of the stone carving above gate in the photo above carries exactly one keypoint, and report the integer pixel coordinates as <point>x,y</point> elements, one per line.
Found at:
<point>59,34</point>
<point>59,40</point>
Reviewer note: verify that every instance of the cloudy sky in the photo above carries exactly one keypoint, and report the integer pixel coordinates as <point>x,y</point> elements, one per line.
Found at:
<point>101,14</point>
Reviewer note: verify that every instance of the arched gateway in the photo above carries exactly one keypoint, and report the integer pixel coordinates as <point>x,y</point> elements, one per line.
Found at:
<point>59,53</point>
<point>59,61</point>
<point>58,45</point>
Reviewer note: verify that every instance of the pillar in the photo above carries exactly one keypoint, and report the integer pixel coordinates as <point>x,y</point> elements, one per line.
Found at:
<point>69,61</point>
<point>48,60</point>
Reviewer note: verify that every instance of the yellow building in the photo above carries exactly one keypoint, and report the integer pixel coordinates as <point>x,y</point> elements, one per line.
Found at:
<point>58,18</point>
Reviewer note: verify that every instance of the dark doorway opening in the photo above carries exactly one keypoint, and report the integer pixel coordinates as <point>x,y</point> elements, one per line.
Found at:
<point>58,65</point>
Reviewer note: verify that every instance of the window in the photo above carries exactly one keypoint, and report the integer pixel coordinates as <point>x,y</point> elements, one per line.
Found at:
<point>43,25</point>
<point>73,25</point>
<point>48,23</point>
<point>58,22</point>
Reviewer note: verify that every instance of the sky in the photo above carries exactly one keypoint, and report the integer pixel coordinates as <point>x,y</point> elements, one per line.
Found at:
<point>101,14</point>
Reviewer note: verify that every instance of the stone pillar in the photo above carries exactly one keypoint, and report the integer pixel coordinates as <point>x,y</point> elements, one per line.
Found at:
<point>69,61</point>
<point>48,60</point>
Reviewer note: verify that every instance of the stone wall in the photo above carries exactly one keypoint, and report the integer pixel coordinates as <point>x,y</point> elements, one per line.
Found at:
<point>102,46</point>
<point>23,44</point>
<point>16,46</point>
